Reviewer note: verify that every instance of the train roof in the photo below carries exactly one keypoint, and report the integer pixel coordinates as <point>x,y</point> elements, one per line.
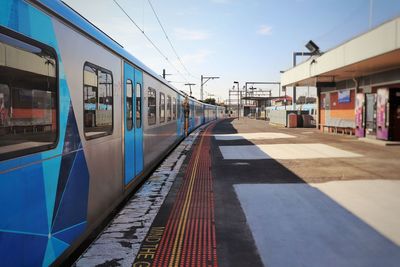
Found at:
<point>72,17</point>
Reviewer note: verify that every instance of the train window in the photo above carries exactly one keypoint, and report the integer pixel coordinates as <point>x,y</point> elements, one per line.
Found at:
<point>174,108</point>
<point>28,97</point>
<point>199,111</point>
<point>162,107</point>
<point>98,101</point>
<point>138,105</point>
<point>168,108</point>
<point>151,104</point>
<point>129,105</point>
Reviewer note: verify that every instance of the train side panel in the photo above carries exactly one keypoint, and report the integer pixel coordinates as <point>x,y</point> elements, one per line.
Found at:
<point>56,197</point>
<point>47,193</point>
<point>104,153</point>
<point>161,135</point>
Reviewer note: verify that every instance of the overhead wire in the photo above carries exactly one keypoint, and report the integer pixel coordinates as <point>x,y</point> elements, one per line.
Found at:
<point>169,40</point>
<point>148,39</point>
<point>177,82</point>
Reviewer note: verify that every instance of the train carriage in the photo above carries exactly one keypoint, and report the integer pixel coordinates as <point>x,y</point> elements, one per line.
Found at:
<point>82,122</point>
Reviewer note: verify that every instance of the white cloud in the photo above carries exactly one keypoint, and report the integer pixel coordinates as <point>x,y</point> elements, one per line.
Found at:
<point>264,30</point>
<point>192,35</point>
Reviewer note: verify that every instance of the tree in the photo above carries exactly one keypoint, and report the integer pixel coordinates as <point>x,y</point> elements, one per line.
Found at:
<point>209,101</point>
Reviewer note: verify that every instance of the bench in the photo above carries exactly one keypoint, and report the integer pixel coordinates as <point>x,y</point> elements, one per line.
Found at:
<point>339,125</point>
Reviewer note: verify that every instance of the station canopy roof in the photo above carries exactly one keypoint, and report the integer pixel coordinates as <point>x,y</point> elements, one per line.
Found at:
<point>374,51</point>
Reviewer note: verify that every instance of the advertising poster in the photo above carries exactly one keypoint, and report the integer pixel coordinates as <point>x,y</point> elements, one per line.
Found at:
<point>344,96</point>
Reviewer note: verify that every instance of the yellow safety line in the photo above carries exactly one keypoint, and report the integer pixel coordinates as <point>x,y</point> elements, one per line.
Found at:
<point>183,217</point>
<point>184,214</point>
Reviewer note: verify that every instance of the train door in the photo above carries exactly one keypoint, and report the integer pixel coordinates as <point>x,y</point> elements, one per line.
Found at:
<point>180,117</point>
<point>191,116</point>
<point>133,130</point>
<point>360,114</point>
<point>129,129</point>
<point>203,114</point>
<point>139,123</point>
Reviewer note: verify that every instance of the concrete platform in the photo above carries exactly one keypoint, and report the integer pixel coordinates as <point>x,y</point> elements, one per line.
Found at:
<point>379,142</point>
<point>249,194</point>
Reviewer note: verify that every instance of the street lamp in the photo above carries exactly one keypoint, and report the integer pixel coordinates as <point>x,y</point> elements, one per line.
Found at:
<point>230,103</point>
<point>313,50</point>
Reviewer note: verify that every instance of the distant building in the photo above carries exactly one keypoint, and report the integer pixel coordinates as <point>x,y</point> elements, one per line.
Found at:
<point>306,100</point>
<point>281,101</point>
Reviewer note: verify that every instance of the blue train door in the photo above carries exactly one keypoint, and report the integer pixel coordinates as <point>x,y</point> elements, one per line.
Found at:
<point>129,129</point>
<point>133,130</point>
<point>139,122</point>
<point>180,117</point>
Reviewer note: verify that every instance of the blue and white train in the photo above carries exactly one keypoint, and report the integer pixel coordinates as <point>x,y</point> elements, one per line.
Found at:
<point>82,122</point>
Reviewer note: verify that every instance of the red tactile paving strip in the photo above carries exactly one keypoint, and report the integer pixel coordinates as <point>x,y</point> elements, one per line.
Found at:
<point>188,238</point>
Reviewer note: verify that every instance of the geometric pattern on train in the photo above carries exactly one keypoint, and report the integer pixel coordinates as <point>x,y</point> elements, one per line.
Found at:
<point>40,234</point>
<point>70,207</point>
<point>43,206</point>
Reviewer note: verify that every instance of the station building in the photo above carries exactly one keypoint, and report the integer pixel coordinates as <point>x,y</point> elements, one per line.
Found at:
<point>358,84</point>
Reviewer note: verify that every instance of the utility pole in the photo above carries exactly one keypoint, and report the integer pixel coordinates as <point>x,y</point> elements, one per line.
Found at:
<point>238,107</point>
<point>284,89</point>
<point>204,80</point>
<point>295,54</point>
<point>164,74</point>
<point>268,83</point>
<point>230,107</point>
<point>190,87</point>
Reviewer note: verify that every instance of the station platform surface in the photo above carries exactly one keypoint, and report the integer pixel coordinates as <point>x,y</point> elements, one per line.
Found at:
<point>243,193</point>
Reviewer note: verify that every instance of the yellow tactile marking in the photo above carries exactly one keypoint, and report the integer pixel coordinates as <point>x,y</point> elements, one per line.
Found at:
<point>175,257</point>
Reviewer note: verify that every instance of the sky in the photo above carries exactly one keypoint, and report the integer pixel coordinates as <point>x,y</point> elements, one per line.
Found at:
<point>236,40</point>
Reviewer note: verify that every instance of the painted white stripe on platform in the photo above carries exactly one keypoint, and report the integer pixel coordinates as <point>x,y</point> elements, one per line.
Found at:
<point>376,202</point>
<point>252,136</point>
<point>285,151</point>
<point>305,151</point>
<point>298,225</point>
<point>242,152</point>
